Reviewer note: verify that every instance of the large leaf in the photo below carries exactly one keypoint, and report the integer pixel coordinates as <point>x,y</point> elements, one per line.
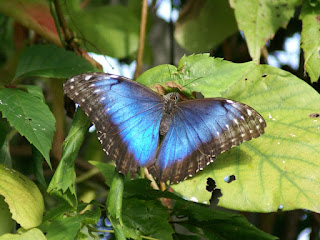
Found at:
<point>25,235</point>
<point>51,61</point>
<point>204,24</point>
<point>196,73</point>
<point>111,30</point>
<point>310,38</point>
<point>63,182</point>
<point>30,116</point>
<point>22,196</point>
<point>280,168</point>
<point>6,220</point>
<point>33,14</point>
<point>259,20</point>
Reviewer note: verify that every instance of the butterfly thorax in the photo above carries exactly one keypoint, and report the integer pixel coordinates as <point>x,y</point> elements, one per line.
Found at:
<point>169,107</point>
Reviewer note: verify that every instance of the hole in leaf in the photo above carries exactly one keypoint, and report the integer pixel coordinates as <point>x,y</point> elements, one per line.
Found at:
<point>264,75</point>
<point>216,192</point>
<point>211,184</point>
<point>229,179</point>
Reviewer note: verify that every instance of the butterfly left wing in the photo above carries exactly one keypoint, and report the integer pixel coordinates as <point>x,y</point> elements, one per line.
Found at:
<point>126,115</point>
<point>200,130</point>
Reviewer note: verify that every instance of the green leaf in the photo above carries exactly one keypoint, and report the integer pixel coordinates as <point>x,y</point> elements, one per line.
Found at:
<point>27,235</point>
<point>205,25</point>
<point>66,225</point>
<point>214,224</point>
<point>147,218</point>
<point>114,205</point>
<point>110,30</point>
<point>310,39</point>
<point>22,196</point>
<point>6,220</point>
<point>260,20</point>
<point>280,169</point>
<point>200,73</point>
<point>63,182</point>
<point>30,116</point>
<point>51,61</point>
<point>107,170</point>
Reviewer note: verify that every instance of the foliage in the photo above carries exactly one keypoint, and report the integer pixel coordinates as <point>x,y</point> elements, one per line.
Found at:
<point>278,171</point>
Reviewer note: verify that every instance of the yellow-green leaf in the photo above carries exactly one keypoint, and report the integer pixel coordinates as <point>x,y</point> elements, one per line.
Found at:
<point>22,196</point>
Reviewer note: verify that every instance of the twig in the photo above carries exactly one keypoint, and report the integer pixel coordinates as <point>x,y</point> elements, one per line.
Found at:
<point>70,44</point>
<point>142,35</point>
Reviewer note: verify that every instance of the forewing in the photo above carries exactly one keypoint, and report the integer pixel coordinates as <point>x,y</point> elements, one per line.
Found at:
<point>202,129</point>
<point>126,115</point>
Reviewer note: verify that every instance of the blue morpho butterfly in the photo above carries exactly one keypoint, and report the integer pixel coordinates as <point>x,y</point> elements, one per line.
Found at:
<point>130,118</point>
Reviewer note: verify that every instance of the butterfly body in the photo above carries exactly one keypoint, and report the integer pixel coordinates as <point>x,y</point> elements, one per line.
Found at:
<point>130,118</point>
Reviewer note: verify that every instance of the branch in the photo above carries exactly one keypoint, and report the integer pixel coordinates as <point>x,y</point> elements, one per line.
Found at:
<point>143,23</point>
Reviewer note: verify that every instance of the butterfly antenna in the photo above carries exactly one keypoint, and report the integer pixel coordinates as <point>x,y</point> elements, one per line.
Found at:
<point>192,81</point>
<point>86,41</point>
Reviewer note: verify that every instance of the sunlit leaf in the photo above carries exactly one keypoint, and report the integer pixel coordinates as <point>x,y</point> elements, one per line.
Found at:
<point>22,196</point>
<point>310,39</point>
<point>260,20</point>
<point>280,169</point>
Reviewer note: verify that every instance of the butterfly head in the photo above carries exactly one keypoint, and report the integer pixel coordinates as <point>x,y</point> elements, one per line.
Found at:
<point>171,100</point>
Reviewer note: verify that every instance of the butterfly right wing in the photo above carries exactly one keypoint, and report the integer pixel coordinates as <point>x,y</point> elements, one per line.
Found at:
<point>126,114</point>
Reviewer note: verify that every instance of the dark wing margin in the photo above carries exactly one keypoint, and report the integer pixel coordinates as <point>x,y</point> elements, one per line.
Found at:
<point>125,113</point>
<point>200,131</point>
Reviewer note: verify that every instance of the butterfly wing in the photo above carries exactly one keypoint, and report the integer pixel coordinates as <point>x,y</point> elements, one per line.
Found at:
<point>199,131</point>
<point>126,114</point>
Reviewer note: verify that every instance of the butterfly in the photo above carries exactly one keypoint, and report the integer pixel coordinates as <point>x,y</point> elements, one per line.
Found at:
<point>174,139</point>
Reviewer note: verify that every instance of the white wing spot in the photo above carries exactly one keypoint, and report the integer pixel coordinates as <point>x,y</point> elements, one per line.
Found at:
<point>243,135</point>
<point>249,112</point>
<point>258,127</point>
<point>76,93</point>
<point>218,133</point>
<point>97,90</point>
<point>261,120</point>
<point>91,85</point>
<point>230,101</point>
<point>113,76</point>
<point>71,79</point>
<point>236,121</point>
<point>83,100</point>
<point>90,109</point>
<point>227,126</point>
<point>102,99</point>
<point>71,87</point>
<point>88,77</point>
<point>250,131</point>
<point>242,117</point>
